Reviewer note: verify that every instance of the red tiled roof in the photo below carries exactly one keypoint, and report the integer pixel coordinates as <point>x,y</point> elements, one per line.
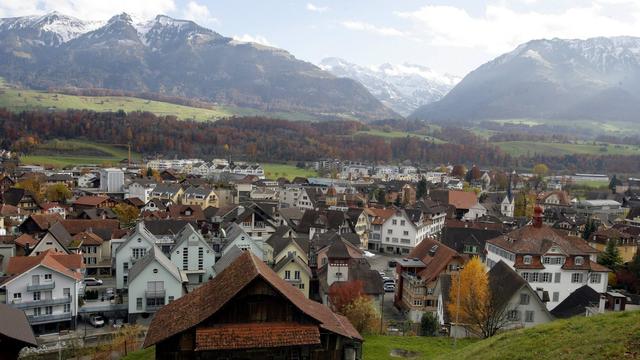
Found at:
<point>533,240</point>
<point>8,210</point>
<point>199,305</point>
<point>26,239</point>
<point>44,221</point>
<point>75,226</point>
<point>256,335</point>
<point>90,200</point>
<point>435,264</point>
<point>87,238</point>
<point>462,199</point>
<point>63,263</point>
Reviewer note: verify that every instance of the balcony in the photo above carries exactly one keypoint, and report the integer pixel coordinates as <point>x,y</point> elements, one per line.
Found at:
<point>43,302</point>
<point>39,287</point>
<point>154,293</point>
<point>42,319</point>
<point>153,308</point>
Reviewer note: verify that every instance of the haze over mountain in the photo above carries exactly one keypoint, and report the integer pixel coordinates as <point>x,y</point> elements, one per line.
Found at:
<point>403,88</point>
<point>176,58</point>
<point>597,79</point>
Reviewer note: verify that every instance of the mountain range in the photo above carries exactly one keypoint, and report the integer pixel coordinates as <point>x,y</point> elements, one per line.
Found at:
<point>594,79</point>
<point>403,87</point>
<point>174,58</point>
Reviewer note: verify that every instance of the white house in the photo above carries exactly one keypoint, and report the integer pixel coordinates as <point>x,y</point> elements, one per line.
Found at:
<point>153,282</point>
<point>236,236</point>
<point>111,180</point>
<point>46,287</point>
<point>508,205</point>
<point>141,190</point>
<point>135,247</point>
<point>193,256</point>
<point>548,260</point>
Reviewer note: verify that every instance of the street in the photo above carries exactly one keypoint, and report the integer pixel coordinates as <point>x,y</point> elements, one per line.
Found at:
<point>380,262</point>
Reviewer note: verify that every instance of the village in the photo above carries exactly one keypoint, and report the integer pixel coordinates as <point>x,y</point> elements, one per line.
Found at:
<point>88,251</point>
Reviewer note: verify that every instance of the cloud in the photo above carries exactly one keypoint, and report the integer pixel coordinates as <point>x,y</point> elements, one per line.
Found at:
<point>315,8</point>
<point>87,9</point>
<point>254,39</point>
<point>199,13</point>
<point>363,26</point>
<point>499,29</point>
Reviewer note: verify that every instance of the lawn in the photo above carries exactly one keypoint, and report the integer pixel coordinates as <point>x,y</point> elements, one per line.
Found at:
<point>608,336</point>
<point>274,171</point>
<point>22,99</point>
<point>379,347</point>
<point>62,153</point>
<point>144,354</point>
<point>520,148</point>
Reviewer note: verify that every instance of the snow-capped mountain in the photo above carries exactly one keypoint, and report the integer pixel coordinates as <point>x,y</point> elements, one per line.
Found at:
<point>597,78</point>
<point>176,58</point>
<point>403,88</point>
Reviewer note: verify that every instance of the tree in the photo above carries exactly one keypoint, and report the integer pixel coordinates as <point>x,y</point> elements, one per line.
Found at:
<point>421,189</point>
<point>477,310</point>
<point>611,256</point>
<point>524,204</point>
<point>613,184</point>
<point>58,192</point>
<point>362,314</point>
<point>459,171</point>
<point>127,214</point>
<point>342,294</point>
<point>429,324</point>
<point>540,170</point>
<point>589,228</point>
<point>31,185</point>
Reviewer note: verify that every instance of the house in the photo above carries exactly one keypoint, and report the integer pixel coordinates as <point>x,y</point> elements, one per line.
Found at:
<point>37,224</point>
<point>548,260</point>
<point>417,275</point>
<point>6,183</point>
<point>171,192</point>
<point>201,196</point>
<point>22,199</point>
<point>508,204</point>
<point>236,236</point>
<point>156,205</point>
<point>46,287</point>
<point>377,217</point>
<point>359,221</point>
<point>587,302</point>
<point>626,242</point>
<point>97,213</point>
<point>604,210</point>
<point>153,281</point>
<point>213,322</point>
<point>111,180</point>
<point>294,269</point>
<point>185,212</point>
<point>135,247</point>
<point>193,256</point>
<point>141,189</point>
<point>464,203</point>
<point>24,244</point>
<point>15,332</point>
<point>468,240</point>
<point>92,202</point>
<point>57,239</point>
<point>96,253</point>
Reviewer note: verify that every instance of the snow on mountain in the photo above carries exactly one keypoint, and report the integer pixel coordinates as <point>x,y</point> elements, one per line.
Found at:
<point>403,87</point>
<point>54,27</point>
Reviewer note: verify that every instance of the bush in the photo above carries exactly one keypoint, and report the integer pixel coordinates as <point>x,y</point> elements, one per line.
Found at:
<point>429,324</point>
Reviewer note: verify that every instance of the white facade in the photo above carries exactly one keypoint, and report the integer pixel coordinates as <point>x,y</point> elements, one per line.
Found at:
<point>507,206</point>
<point>400,235</point>
<point>45,295</point>
<point>193,256</point>
<point>111,180</point>
<point>525,309</point>
<point>134,248</point>
<point>140,191</point>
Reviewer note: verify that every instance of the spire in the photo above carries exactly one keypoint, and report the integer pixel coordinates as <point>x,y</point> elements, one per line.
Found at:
<point>509,191</point>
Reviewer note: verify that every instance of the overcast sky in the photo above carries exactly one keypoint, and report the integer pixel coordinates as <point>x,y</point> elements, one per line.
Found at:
<point>453,36</point>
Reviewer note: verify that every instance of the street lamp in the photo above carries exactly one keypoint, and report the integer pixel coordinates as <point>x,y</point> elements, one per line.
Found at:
<point>455,337</point>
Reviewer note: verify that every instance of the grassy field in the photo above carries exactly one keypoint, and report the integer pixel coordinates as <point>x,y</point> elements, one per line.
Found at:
<point>21,99</point>
<point>379,347</point>
<point>145,354</point>
<point>601,126</point>
<point>609,336</point>
<point>518,148</point>
<point>62,153</point>
<point>398,134</point>
<point>274,171</point>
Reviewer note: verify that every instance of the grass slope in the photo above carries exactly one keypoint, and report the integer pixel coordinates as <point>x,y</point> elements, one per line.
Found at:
<point>518,148</point>
<point>274,171</point>
<point>379,347</point>
<point>609,336</point>
<point>22,99</point>
<point>144,354</point>
<point>61,153</point>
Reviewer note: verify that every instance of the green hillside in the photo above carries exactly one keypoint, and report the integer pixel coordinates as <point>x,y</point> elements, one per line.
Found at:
<point>62,153</point>
<point>519,148</point>
<point>609,336</point>
<point>21,99</point>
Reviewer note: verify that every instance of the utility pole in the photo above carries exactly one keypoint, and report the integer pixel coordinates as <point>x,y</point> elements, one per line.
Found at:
<point>382,311</point>
<point>455,335</point>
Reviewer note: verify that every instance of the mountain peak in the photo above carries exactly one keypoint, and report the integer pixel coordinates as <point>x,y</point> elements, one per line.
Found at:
<point>123,17</point>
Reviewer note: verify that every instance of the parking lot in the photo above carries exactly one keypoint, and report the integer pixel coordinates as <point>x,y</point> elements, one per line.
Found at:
<point>380,262</point>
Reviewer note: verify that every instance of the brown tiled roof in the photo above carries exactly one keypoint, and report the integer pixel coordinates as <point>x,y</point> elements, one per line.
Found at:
<point>8,239</point>
<point>197,306</point>
<point>75,226</point>
<point>90,200</point>
<point>8,210</point>
<point>256,335</point>
<point>177,212</point>
<point>462,199</point>
<point>63,263</point>
<point>15,325</point>
<point>538,240</point>
<point>44,221</point>
<point>87,238</point>
<point>380,215</point>
<point>435,264</point>
<point>26,239</point>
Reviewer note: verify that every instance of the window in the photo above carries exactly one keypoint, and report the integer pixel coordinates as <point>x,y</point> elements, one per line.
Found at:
<point>546,277</point>
<point>579,260</point>
<point>402,222</point>
<point>287,275</point>
<point>405,233</point>
<point>296,275</point>
<point>528,316</point>
<point>185,259</point>
<point>48,310</point>
<point>595,278</point>
<point>17,295</point>
<point>200,258</point>
<point>556,296</point>
<point>47,276</point>
<point>513,315</point>
<point>200,278</point>
<point>301,286</point>
<point>535,277</point>
<point>139,253</point>
<point>394,222</point>
<point>524,299</point>
<point>37,311</point>
<point>527,259</point>
<point>390,231</point>
<point>66,292</point>
<point>417,302</point>
<point>125,279</point>
<point>558,276</point>
<point>171,298</point>
<point>67,308</point>
<point>125,266</point>
<point>525,276</point>
<point>470,249</point>
<point>36,296</point>
<point>576,278</point>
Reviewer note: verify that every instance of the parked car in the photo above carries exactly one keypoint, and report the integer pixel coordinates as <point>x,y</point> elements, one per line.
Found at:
<point>92,282</point>
<point>389,281</point>
<point>118,323</point>
<point>389,288</point>
<point>382,273</point>
<point>392,264</point>
<point>110,294</point>
<point>96,321</point>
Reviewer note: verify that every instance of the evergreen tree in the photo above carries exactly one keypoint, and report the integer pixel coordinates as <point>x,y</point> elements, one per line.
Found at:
<point>611,256</point>
<point>421,189</point>
<point>429,324</point>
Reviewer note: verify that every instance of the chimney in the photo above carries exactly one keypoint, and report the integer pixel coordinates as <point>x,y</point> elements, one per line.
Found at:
<point>537,217</point>
<point>602,304</point>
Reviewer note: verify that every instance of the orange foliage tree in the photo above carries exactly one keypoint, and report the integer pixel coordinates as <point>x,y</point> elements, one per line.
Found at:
<point>342,294</point>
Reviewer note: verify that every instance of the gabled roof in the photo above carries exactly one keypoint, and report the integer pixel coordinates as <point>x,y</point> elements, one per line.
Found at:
<point>155,254</point>
<point>15,325</point>
<point>25,240</point>
<point>205,301</point>
<point>504,283</point>
<point>90,200</point>
<point>292,258</point>
<point>166,227</point>
<point>538,240</point>
<point>143,232</point>
<point>75,226</point>
<point>184,235</point>
<point>44,221</point>
<point>61,234</point>
<point>227,259</point>
<point>434,255</point>
<point>576,303</point>
<point>87,238</point>
<point>60,262</point>
<point>457,237</point>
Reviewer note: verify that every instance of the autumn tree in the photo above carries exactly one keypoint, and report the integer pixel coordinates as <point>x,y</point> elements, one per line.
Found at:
<point>58,193</point>
<point>524,204</point>
<point>127,214</point>
<point>610,257</point>
<point>540,171</point>
<point>472,303</point>
<point>31,185</point>
<point>363,314</point>
<point>342,294</point>
<point>459,171</point>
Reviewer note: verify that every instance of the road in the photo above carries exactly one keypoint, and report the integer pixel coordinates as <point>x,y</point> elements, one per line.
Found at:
<point>380,262</point>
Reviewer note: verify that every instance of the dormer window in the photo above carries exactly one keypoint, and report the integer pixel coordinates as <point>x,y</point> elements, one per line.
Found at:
<point>579,260</point>
<point>527,259</point>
